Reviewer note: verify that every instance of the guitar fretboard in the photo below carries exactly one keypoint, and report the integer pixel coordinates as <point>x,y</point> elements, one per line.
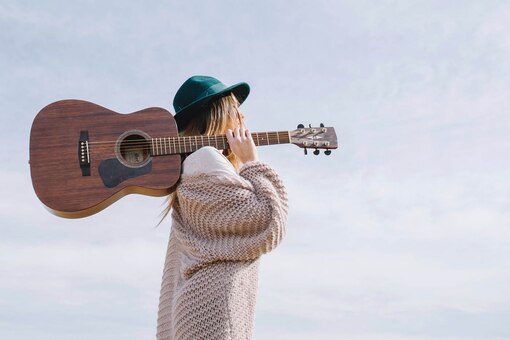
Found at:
<point>187,144</point>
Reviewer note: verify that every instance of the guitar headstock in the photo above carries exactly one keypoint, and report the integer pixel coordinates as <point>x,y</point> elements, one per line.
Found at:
<point>314,137</point>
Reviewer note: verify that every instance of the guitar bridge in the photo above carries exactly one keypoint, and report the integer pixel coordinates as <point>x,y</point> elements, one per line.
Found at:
<point>84,153</point>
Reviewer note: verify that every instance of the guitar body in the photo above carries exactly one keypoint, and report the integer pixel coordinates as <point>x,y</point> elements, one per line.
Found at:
<point>84,157</point>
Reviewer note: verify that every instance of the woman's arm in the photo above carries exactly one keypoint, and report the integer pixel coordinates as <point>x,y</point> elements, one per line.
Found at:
<point>237,217</point>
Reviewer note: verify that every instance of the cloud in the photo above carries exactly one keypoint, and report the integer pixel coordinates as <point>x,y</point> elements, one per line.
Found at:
<point>402,233</point>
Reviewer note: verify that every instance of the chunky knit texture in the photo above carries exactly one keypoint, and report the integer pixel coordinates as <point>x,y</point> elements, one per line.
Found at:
<point>221,225</point>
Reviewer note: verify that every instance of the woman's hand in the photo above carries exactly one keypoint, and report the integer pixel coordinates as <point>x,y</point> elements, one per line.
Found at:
<point>242,145</point>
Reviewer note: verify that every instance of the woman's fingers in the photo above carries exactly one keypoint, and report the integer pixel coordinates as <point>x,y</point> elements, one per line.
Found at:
<point>241,144</point>
<point>239,133</point>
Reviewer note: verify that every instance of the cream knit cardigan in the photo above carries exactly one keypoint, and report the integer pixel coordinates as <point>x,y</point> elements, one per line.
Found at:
<point>221,225</point>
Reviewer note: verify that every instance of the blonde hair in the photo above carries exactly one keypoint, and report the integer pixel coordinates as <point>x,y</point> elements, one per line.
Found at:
<point>214,119</point>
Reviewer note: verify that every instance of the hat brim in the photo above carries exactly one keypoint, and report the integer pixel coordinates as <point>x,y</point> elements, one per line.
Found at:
<point>184,116</point>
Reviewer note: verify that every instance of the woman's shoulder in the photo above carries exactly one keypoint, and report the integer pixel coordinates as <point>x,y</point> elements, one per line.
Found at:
<point>207,160</point>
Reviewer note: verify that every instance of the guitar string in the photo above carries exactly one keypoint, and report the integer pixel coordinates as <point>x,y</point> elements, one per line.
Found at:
<point>187,139</point>
<point>165,143</point>
<point>170,145</point>
<point>161,147</point>
<point>166,146</point>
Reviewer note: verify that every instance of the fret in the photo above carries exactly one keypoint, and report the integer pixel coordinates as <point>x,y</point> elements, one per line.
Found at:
<point>223,140</point>
<point>175,147</point>
<point>196,143</point>
<point>202,136</point>
<point>260,139</point>
<point>164,143</point>
<point>278,137</point>
<point>267,136</point>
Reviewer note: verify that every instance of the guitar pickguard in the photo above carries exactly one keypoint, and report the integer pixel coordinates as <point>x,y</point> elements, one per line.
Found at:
<point>113,172</point>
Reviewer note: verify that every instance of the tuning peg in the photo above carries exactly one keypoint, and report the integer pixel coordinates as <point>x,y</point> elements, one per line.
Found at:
<point>316,152</point>
<point>327,152</point>
<point>306,151</point>
<point>310,126</point>
<point>300,126</point>
<point>322,125</point>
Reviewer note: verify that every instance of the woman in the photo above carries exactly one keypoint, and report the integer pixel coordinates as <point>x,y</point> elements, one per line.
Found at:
<point>228,209</point>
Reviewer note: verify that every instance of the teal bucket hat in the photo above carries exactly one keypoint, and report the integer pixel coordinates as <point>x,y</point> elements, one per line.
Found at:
<point>198,91</point>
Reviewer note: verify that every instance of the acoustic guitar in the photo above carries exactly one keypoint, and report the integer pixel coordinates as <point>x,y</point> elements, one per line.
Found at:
<point>84,157</point>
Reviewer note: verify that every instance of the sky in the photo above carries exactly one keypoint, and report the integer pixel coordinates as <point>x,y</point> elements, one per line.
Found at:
<point>401,233</point>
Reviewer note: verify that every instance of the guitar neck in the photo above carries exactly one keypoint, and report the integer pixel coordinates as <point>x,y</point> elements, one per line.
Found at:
<point>187,144</point>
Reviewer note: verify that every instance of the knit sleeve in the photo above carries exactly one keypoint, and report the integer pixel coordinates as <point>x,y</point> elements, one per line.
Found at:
<point>231,218</point>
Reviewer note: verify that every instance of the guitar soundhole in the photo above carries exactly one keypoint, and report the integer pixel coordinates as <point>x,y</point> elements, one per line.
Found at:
<point>133,149</point>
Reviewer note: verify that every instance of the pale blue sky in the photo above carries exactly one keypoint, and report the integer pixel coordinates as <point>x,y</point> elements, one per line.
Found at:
<point>402,233</point>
